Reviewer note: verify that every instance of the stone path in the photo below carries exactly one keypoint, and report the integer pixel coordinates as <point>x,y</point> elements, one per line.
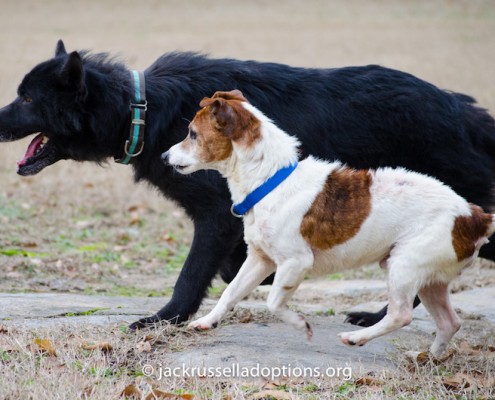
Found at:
<point>254,344</point>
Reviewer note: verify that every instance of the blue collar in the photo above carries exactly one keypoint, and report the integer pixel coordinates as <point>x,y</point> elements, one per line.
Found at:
<point>240,209</point>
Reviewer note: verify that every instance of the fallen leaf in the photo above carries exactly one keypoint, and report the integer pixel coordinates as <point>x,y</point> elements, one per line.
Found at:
<point>136,207</point>
<point>481,347</point>
<point>143,347</point>
<point>368,381</point>
<point>466,349</point>
<point>245,318</point>
<point>168,238</point>
<point>29,244</point>
<point>458,381</point>
<point>103,346</point>
<point>131,391</point>
<point>270,386</point>
<point>45,346</point>
<point>158,394</point>
<point>420,357</point>
<point>89,391</point>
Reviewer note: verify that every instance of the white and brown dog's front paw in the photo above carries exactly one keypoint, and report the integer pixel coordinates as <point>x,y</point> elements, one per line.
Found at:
<point>203,324</point>
<point>352,338</point>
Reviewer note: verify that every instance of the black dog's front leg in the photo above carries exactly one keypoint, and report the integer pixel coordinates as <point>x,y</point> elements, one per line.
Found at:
<point>213,241</point>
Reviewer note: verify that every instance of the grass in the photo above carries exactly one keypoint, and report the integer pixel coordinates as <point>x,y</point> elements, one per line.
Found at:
<point>328,313</point>
<point>84,313</point>
<point>83,252</point>
<point>107,361</point>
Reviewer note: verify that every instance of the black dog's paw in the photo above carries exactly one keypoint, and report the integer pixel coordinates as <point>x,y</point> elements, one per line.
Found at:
<point>364,319</point>
<point>144,323</point>
<point>150,322</point>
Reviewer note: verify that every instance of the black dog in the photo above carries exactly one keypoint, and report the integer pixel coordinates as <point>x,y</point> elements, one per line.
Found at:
<point>365,116</point>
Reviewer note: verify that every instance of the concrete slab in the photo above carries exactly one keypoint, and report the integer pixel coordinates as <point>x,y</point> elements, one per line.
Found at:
<point>252,345</point>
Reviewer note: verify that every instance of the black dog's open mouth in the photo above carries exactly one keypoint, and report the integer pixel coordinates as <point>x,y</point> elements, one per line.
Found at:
<point>39,155</point>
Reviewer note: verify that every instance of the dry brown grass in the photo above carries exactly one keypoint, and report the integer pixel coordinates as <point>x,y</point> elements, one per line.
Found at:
<point>100,363</point>
<point>91,225</point>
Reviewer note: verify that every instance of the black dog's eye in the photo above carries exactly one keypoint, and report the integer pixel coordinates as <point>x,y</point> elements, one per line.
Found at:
<point>27,99</point>
<point>192,134</point>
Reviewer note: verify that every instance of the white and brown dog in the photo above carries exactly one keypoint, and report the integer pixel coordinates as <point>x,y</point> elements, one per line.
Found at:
<point>323,217</point>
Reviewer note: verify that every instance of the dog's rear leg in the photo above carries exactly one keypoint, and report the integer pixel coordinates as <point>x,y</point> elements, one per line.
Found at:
<point>435,298</point>
<point>402,288</point>
<point>288,277</point>
<point>253,271</point>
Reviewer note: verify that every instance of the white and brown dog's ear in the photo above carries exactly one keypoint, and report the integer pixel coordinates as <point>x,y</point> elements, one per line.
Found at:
<point>232,95</point>
<point>221,113</point>
<point>230,117</point>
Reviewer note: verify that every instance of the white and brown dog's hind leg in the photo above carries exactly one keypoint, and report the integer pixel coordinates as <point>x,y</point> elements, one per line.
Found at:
<point>255,269</point>
<point>288,277</point>
<point>402,289</point>
<point>435,298</point>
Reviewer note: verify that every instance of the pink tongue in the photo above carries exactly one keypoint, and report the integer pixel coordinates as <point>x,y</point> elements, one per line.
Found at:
<point>35,143</point>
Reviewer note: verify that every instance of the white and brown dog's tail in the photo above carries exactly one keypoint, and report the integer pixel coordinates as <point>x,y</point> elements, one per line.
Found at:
<point>491,228</point>
<point>470,232</point>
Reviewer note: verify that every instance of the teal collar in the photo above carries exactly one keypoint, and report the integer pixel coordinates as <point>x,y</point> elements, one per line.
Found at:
<point>240,209</point>
<point>135,144</point>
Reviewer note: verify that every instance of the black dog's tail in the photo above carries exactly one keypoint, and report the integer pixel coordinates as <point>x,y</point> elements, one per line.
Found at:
<point>478,128</point>
<point>479,125</point>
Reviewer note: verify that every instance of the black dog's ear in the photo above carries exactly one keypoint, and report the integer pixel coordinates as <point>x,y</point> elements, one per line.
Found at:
<point>73,74</point>
<point>60,49</point>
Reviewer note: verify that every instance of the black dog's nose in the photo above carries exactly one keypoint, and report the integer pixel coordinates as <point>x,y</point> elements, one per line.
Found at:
<point>164,157</point>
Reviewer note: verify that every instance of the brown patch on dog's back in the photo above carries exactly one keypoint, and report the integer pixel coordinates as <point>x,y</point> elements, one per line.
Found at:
<point>468,230</point>
<point>339,210</point>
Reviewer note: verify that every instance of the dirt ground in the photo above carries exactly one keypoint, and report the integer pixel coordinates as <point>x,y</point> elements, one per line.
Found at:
<point>88,229</point>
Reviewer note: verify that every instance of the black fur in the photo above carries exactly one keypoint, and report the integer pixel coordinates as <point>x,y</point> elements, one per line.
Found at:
<point>362,318</point>
<point>365,116</point>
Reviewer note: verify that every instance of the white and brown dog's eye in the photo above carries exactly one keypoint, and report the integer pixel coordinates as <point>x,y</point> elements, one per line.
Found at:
<point>192,134</point>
